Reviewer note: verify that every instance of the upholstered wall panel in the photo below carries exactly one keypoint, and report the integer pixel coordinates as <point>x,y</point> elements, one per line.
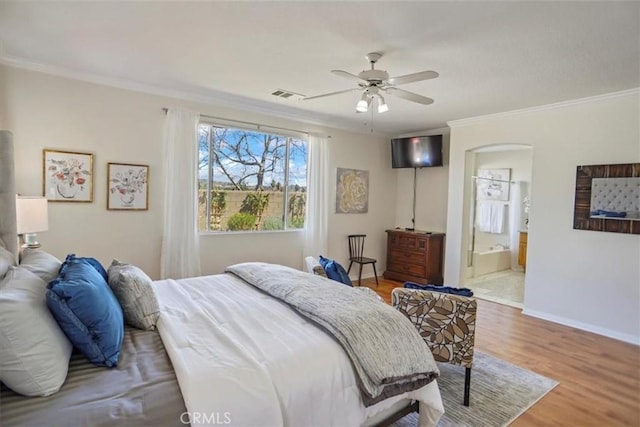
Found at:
<point>8,236</point>
<point>616,195</point>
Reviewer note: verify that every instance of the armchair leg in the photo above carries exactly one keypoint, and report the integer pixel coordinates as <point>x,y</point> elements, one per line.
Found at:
<point>467,384</point>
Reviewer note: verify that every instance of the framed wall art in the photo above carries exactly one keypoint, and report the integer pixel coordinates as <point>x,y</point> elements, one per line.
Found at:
<point>127,187</point>
<point>352,191</point>
<point>607,198</point>
<point>67,176</point>
<point>493,184</point>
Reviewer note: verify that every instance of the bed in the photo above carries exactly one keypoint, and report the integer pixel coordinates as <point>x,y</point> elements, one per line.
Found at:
<point>225,352</point>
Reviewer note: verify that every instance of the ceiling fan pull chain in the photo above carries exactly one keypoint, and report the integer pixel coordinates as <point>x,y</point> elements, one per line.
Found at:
<point>371,119</point>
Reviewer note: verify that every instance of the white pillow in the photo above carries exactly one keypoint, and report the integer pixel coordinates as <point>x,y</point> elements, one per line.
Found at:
<point>34,352</point>
<point>314,267</point>
<point>41,263</point>
<point>6,261</point>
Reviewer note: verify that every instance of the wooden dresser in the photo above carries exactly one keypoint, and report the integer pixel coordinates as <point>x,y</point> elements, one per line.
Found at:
<point>415,256</point>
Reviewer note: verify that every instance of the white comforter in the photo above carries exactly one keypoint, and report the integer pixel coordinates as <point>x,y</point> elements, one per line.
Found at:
<point>243,358</point>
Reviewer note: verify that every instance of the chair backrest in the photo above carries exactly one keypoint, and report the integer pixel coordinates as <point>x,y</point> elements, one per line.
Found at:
<point>356,245</point>
<point>446,322</point>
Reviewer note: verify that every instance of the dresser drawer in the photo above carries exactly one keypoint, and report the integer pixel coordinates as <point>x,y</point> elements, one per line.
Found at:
<point>399,255</point>
<point>416,270</point>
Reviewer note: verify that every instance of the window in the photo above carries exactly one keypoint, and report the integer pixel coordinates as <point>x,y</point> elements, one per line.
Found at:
<point>249,180</point>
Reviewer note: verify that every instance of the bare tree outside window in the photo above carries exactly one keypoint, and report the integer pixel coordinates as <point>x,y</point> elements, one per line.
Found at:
<point>250,180</point>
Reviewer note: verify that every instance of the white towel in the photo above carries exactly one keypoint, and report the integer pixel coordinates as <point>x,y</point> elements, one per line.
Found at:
<point>483,216</point>
<point>490,217</point>
<point>497,218</point>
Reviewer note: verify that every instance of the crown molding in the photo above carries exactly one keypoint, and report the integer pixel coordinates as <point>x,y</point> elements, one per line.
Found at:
<point>211,97</point>
<point>562,104</point>
<point>426,132</point>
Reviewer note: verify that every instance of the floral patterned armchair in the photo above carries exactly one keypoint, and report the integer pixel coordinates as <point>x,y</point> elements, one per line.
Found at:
<point>446,323</point>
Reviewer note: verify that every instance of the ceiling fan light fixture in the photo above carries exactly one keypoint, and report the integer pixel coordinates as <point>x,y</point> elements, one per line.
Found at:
<point>363,105</point>
<point>374,82</point>
<point>382,105</point>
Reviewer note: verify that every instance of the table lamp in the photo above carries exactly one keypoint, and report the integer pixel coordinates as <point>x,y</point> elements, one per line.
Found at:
<point>32,217</point>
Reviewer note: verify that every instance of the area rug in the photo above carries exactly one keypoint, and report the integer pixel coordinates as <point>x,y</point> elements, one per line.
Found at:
<point>500,392</point>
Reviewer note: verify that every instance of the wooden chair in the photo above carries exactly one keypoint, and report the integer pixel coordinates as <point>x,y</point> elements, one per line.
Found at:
<point>447,323</point>
<point>356,250</point>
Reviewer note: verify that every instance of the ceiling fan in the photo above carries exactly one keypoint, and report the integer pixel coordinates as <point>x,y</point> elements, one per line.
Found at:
<point>374,83</point>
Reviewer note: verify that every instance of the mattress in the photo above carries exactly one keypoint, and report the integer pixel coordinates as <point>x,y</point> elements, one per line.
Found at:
<point>141,390</point>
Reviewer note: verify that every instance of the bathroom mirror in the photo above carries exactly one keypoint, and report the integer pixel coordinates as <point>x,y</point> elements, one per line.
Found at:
<point>607,198</point>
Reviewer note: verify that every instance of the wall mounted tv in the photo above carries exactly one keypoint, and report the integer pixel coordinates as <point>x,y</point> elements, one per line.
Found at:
<point>416,151</point>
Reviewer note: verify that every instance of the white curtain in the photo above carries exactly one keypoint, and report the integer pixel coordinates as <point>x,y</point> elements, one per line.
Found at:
<point>180,255</point>
<point>315,239</point>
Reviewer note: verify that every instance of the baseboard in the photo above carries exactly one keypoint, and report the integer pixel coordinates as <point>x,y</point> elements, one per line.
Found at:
<point>631,339</point>
<point>364,276</point>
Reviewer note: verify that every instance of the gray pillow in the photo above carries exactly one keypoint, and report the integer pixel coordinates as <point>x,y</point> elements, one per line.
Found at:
<point>6,261</point>
<point>41,263</point>
<point>34,352</point>
<point>134,291</point>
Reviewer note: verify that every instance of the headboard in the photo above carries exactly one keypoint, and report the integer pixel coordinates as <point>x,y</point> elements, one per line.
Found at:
<point>8,226</point>
<point>616,195</point>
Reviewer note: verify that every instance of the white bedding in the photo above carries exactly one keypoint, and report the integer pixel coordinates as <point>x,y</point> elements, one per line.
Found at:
<point>246,359</point>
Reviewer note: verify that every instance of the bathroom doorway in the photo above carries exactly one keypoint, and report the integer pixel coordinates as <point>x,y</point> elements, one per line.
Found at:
<point>499,200</point>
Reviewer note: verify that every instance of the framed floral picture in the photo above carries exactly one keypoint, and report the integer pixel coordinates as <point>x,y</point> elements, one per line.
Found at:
<point>67,176</point>
<point>127,187</point>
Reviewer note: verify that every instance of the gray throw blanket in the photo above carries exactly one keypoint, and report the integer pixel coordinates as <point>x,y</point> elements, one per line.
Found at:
<point>388,354</point>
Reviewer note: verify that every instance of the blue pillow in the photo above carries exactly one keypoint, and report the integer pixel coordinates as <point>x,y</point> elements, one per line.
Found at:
<point>323,261</point>
<point>465,292</point>
<point>611,214</point>
<point>87,311</point>
<point>94,263</point>
<point>335,271</point>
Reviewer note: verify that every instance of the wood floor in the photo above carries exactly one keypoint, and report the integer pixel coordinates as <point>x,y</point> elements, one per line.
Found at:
<point>599,377</point>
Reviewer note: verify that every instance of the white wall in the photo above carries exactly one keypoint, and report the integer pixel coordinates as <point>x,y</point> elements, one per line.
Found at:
<point>45,111</point>
<point>587,279</point>
<point>431,191</point>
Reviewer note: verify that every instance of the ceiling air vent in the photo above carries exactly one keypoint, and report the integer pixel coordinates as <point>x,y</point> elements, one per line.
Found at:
<point>281,93</point>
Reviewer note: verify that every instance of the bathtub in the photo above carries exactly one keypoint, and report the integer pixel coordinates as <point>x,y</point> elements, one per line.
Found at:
<point>490,261</point>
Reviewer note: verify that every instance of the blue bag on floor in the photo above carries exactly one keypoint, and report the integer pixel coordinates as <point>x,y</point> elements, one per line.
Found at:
<point>465,292</point>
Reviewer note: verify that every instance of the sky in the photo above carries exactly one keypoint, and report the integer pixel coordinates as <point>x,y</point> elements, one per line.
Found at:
<point>252,145</point>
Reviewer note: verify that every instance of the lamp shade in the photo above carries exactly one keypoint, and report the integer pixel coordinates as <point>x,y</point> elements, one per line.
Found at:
<point>32,214</point>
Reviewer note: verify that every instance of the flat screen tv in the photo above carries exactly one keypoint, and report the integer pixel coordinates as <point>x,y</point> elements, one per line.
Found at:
<point>416,151</point>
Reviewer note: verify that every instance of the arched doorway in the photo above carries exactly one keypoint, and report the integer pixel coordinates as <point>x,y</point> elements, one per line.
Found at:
<point>498,191</point>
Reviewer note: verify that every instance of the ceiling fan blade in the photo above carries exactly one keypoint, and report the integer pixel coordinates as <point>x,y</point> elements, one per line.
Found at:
<point>410,96</point>
<point>306,98</point>
<point>415,77</point>
<point>348,75</point>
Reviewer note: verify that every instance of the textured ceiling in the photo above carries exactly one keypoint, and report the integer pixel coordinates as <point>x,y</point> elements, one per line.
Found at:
<point>492,56</point>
